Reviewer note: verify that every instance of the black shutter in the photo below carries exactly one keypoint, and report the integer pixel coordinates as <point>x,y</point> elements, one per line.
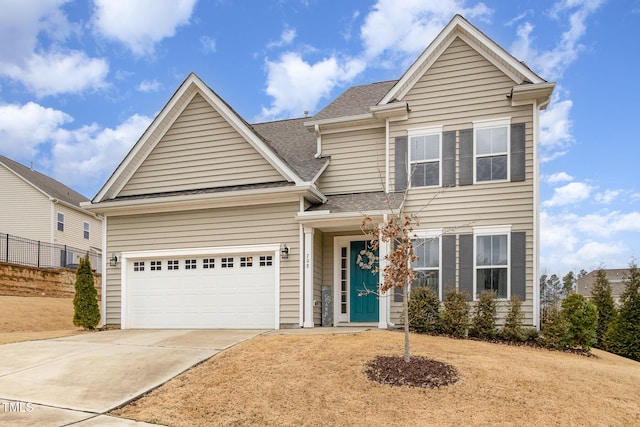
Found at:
<point>517,152</point>
<point>518,264</point>
<point>466,265</point>
<point>449,159</point>
<point>448,279</point>
<point>466,157</point>
<point>401,153</point>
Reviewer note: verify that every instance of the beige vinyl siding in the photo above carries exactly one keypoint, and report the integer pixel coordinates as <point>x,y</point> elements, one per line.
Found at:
<point>265,224</point>
<point>24,211</point>
<point>318,256</point>
<point>73,234</point>
<point>200,150</point>
<point>357,162</point>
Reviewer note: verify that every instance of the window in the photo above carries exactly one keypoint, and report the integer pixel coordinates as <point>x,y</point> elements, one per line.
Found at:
<point>208,263</point>
<point>491,144</point>
<point>427,266</point>
<point>156,265</point>
<point>266,260</point>
<point>492,263</point>
<point>60,221</point>
<point>226,263</point>
<point>246,261</point>
<point>85,228</point>
<point>138,266</point>
<point>190,264</point>
<point>424,156</point>
<point>173,264</point>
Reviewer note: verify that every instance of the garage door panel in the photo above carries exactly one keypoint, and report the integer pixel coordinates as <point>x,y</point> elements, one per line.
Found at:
<point>237,297</point>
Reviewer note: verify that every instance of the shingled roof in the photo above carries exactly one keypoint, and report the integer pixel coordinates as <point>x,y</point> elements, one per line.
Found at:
<point>356,100</point>
<point>294,143</point>
<point>49,186</point>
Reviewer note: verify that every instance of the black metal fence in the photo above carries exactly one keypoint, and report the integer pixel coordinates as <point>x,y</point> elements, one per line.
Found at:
<point>34,253</point>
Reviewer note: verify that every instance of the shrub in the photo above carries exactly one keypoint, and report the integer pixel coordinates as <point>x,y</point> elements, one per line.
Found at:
<point>85,301</point>
<point>582,317</point>
<point>603,300</point>
<point>483,324</point>
<point>513,329</point>
<point>424,310</point>
<point>555,330</point>
<point>455,316</point>
<point>623,337</point>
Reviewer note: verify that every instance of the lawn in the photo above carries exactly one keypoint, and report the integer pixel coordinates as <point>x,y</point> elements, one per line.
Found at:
<point>33,318</point>
<point>313,380</point>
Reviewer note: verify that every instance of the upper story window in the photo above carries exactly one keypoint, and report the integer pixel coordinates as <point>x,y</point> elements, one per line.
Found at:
<point>492,261</point>
<point>60,221</point>
<point>425,155</point>
<point>491,149</point>
<point>85,230</point>
<point>427,267</point>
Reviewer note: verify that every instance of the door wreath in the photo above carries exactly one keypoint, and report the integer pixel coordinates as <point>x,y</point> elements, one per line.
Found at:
<point>366,259</point>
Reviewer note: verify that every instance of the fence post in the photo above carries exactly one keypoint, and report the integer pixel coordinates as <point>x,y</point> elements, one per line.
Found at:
<point>7,254</point>
<point>64,261</point>
<point>38,253</point>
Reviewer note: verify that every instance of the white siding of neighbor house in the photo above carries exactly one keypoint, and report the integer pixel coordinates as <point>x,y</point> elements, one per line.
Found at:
<point>357,162</point>
<point>24,211</point>
<point>200,150</point>
<point>209,228</point>
<point>73,234</point>
<point>462,87</point>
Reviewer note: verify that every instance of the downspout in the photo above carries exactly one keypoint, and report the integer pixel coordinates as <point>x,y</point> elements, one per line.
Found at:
<point>104,271</point>
<point>386,156</point>
<point>301,275</point>
<point>536,217</point>
<point>316,129</point>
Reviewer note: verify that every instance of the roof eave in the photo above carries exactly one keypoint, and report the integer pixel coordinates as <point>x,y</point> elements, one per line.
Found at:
<point>528,93</point>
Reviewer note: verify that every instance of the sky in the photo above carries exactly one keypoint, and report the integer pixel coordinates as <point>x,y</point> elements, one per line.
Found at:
<point>81,80</point>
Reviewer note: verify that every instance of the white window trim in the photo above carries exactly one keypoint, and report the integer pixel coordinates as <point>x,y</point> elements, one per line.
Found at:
<point>491,231</point>
<point>58,222</point>
<point>86,227</point>
<point>432,234</point>
<point>425,131</point>
<point>489,124</point>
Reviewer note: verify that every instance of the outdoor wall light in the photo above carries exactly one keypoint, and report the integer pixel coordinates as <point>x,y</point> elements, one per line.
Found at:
<point>285,252</point>
<point>113,261</point>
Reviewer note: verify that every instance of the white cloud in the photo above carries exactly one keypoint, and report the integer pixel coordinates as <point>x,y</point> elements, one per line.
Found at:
<point>569,194</point>
<point>552,63</point>
<point>83,158</point>
<point>208,44</point>
<point>286,38</point>
<point>141,24</point>
<point>23,128</point>
<point>297,86</point>
<point>558,177</point>
<point>149,86</point>
<point>555,129</point>
<point>402,29</point>
<point>607,196</point>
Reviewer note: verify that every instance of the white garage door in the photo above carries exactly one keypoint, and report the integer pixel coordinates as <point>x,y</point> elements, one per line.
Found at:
<point>235,291</point>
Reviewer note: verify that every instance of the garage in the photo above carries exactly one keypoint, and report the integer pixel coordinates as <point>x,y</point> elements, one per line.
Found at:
<point>199,290</point>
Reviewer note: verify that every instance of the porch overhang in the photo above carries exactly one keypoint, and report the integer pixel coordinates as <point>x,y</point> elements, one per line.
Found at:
<point>340,221</point>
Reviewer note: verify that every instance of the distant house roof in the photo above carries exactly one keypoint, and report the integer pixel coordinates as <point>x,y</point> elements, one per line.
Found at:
<point>49,186</point>
<point>355,100</point>
<point>616,277</point>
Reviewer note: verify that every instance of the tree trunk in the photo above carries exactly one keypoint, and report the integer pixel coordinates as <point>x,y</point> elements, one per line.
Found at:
<point>405,306</point>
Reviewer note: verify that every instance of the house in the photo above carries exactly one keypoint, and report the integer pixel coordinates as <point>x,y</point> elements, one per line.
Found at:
<point>217,223</point>
<point>616,278</point>
<point>39,208</point>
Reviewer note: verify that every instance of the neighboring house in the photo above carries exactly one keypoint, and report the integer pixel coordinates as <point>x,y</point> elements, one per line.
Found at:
<point>616,278</point>
<point>36,207</point>
<point>217,223</point>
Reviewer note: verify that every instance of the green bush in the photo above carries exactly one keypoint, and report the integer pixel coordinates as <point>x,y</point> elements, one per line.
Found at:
<point>513,329</point>
<point>85,301</point>
<point>623,337</point>
<point>424,310</point>
<point>555,330</point>
<point>455,316</point>
<point>483,324</point>
<point>582,318</point>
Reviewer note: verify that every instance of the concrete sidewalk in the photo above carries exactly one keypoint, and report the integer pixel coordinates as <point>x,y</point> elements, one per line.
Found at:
<point>77,379</point>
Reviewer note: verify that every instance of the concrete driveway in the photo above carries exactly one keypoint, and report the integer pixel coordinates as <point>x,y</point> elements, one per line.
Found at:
<point>74,380</point>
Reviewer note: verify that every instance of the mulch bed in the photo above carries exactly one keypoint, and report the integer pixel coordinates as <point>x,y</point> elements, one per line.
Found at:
<point>419,372</point>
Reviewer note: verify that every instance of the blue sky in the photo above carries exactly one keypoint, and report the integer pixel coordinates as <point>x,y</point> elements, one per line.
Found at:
<point>81,80</point>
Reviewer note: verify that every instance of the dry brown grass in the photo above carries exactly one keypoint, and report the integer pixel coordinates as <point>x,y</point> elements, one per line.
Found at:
<point>33,318</point>
<point>317,380</point>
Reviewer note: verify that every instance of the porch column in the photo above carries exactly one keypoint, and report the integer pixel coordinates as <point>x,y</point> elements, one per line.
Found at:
<point>308,277</point>
<point>383,299</point>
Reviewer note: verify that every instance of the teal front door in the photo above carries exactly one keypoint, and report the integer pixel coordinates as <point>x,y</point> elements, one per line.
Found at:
<point>364,308</point>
